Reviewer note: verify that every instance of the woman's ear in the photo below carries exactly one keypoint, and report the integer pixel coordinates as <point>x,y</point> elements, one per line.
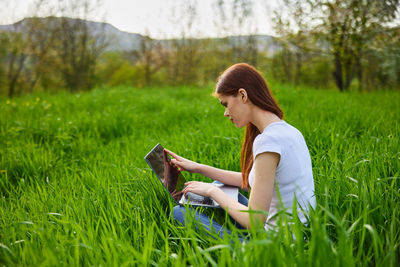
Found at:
<point>243,95</point>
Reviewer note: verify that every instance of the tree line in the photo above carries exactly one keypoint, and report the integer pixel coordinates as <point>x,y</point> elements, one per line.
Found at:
<point>348,44</point>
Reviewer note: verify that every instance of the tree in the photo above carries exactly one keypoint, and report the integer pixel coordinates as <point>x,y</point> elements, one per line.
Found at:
<point>383,60</point>
<point>68,46</point>
<point>291,23</point>
<point>39,42</point>
<point>185,53</point>
<point>14,60</point>
<point>350,26</point>
<point>39,49</point>
<point>78,44</point>
<point>237,15</point>
<point>347,27</point>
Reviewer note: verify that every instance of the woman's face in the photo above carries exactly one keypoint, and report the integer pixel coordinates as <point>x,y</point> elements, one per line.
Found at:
<point>236,108</point>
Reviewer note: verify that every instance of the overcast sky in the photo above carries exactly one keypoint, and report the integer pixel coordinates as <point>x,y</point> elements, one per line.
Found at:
<point>157,18</point>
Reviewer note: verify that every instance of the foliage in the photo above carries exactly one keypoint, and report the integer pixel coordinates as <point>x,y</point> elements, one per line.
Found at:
<point>75,190</point>
<point>55,52</point>
<point>317,72</point>
<point>351,45</point>
<point>346,30</point>
<point>13,61</point>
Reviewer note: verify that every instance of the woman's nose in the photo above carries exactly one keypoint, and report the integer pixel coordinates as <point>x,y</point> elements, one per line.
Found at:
<point>226,114</point>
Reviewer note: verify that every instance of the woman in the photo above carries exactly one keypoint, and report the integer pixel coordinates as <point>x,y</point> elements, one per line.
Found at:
<point>274,156</point>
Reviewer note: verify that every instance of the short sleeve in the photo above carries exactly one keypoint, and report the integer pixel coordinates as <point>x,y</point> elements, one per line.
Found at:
<point>266,143</point>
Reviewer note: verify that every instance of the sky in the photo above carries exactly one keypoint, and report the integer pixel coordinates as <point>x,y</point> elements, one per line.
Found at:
<point>156,18</point>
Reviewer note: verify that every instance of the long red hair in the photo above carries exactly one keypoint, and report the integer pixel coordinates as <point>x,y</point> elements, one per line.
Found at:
<point>244,76</point>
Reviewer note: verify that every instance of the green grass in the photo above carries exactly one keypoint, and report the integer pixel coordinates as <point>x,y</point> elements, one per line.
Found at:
<point>75,189</point>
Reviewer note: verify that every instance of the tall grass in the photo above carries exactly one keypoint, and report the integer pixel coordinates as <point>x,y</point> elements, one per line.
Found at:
<point>75,189</point>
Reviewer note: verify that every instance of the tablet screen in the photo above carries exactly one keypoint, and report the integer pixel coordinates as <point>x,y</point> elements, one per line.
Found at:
<point>169,175</point>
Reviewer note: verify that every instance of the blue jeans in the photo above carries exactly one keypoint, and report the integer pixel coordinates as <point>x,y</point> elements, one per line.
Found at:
<point>179,213</point>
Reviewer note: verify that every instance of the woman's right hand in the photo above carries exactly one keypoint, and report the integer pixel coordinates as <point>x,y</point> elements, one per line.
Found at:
<point>182,163</point>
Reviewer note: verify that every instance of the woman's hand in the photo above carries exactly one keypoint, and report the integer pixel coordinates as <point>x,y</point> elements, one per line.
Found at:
<point>200,188</point>
<point>176,195</point>
<point>183,164</point>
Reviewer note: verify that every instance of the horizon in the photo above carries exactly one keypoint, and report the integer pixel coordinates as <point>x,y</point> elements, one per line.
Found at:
<point>177,37</point>
<point>167,21</point>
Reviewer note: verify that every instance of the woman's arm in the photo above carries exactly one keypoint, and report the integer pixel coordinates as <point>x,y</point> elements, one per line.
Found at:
<point>260,196</point>
<point>225,177</point>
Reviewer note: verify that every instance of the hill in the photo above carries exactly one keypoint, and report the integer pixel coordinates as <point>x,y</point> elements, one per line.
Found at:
<point>121,40</point>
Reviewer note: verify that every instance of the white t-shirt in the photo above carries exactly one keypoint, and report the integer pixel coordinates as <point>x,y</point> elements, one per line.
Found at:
<point>293,176</point>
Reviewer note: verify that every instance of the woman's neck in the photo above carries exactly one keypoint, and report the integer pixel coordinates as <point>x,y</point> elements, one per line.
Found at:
<point>263,118</point>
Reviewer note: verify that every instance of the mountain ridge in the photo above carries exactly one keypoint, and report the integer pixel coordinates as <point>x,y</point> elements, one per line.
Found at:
<point>124,41</point>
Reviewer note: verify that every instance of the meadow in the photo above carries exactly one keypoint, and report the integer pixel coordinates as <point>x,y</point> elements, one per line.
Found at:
<point>75,190</point>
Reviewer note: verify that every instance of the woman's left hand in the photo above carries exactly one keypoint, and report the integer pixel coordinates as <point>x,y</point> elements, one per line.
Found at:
<point>200,188</point>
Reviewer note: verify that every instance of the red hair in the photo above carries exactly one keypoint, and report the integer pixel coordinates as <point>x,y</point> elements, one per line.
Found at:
<point>244,76</point>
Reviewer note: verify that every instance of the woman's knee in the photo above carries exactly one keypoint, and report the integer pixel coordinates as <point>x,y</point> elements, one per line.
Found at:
<point>243,200</point>
<point>178,212</point>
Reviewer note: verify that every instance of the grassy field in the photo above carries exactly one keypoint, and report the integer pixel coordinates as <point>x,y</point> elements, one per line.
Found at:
<point>75,189</point>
